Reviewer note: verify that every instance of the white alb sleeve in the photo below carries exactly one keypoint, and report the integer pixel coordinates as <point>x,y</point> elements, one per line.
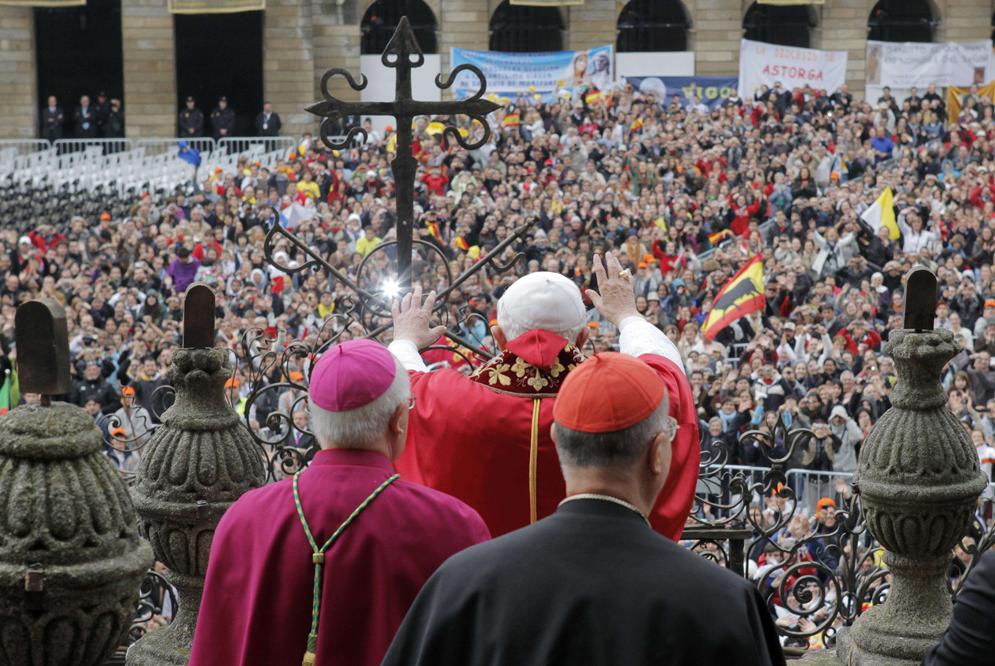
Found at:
<point>637,337</point>
<point>406,352</point>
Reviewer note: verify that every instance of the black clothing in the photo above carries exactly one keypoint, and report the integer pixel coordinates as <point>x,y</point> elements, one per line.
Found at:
<point>114,125</point>
<point>51,123</point>
<point>101,115</point>
<point>84,390</point>
<point>969,640</point>
<point>592,584</point>
<point>268,126</point>
<point>222,119</point>
<point>85,122</point>
<point>191,123</point>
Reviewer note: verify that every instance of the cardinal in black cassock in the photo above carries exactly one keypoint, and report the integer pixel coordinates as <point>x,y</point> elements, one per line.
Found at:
<point>592,584</point>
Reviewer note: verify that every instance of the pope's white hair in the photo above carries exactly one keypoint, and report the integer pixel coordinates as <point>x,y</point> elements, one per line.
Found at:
<point>361,427</point>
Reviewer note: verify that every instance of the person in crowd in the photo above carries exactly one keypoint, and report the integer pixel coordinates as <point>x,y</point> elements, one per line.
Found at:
<point>183,270</point>
<point>84,119</point>
<point>191,120</point>
<point>505,407</point>
<point>113,127</point>
<point>343,522</point>
<point>268,122</point>
<point>222,119</point>
<point>597,559</point>
<point>52,120</point>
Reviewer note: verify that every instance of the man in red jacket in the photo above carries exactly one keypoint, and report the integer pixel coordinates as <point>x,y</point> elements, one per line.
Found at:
<point>485,439</point>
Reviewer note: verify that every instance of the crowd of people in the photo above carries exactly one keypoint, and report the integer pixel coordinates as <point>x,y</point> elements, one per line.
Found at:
<point>682,196</point>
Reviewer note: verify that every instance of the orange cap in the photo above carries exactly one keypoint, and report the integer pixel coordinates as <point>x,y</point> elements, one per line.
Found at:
<point>824,502</point>
<point>128,390</point>
<point>105,216</point>
<point>296,376</point>
<point>607,393</point>
<point>118,432</point>
<point>232,382</point>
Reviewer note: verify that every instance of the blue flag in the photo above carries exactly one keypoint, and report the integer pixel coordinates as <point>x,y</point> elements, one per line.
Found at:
<point>188,154</point>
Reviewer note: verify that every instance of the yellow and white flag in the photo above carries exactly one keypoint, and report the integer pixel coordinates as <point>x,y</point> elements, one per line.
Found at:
<point>882,214</point>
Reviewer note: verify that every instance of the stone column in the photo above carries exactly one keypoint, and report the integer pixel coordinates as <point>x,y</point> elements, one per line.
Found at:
<point>591,24</point>
<point>197,464</point>
<point>716,28</point>
<point>18,95</point>
<point>148,45</point>
<point>288,64</point>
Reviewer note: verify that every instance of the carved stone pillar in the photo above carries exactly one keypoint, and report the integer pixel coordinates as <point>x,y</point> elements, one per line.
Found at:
<point>71,560</point>
<point>195,466</point>
<point>919,480</point>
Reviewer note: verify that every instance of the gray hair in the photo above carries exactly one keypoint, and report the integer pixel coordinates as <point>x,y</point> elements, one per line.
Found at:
<point>362,426</point>
<point>620,448</point>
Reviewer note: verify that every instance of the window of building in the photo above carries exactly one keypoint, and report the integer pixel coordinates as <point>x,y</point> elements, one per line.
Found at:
<point>788,25</point>
<point>526,29</point>
<point>653,25</point>
<point>78,52</point>
<point>902,21</point>
<point>381,19</point>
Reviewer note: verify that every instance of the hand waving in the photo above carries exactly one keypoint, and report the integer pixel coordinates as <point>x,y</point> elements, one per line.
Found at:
<point>617,299</point>
<point>413,319</point>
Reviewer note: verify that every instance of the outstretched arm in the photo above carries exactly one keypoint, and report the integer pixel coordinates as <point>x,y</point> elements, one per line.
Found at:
<point>617,303</point>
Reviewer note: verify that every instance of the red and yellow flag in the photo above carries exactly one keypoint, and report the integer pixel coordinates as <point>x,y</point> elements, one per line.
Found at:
<point>740,296</point>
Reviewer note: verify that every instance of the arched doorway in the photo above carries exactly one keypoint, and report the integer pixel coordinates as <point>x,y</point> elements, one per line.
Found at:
<point>902,21</point>
<point>381,19</point>
<point>522,28</point>
<point>653,25</point>
<point>78,52</point>
<point>222,55</point>
<point>775,24</point>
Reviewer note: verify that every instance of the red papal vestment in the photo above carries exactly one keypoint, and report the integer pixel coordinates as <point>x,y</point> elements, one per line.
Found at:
<point>256,607</point>
<point>472,437</point>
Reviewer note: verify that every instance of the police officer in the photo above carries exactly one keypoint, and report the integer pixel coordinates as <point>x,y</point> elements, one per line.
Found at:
<point>222,119</point>
<point>191,120</point>
<point>52,120</point>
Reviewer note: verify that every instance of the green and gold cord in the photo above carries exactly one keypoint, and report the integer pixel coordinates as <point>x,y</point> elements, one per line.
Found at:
<point>318,557</point>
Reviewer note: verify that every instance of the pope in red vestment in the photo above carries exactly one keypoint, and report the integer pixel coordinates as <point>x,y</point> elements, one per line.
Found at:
<point>485,439</point>
<point>259,591</point>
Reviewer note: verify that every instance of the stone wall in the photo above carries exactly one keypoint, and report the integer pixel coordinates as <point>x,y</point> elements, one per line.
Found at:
<point>18,98</point>
<point>289,62</point>
<point>147,46</point>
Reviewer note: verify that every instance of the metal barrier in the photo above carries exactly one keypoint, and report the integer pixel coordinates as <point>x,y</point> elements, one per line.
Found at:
<point>251,144</point>
<point>204,144</point>
<point>812,485</point>
<point>107,146</point>
<point>23,146</point>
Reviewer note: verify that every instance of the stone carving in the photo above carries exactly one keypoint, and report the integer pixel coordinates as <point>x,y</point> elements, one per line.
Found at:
<point>71,560</point>
<point>195,466</point>
<point>919,480</point>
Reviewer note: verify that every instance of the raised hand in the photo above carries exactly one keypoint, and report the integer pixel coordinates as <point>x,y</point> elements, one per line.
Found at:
<point>413,318</point>
<point>617,297</point>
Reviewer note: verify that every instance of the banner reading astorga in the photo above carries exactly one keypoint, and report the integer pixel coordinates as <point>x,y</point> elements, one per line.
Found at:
<point>907,64</point>
<point>764,64</point>
<point>513,74</point>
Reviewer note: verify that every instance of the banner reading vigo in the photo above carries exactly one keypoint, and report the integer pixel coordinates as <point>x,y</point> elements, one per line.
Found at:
<point>709,90</point>
<point>764,64</point>
<point>513,74</point>
<point>907,64</point>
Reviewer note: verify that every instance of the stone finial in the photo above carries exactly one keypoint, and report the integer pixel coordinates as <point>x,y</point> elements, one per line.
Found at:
<point>194,467</point>
<point>919,479</point>
<point>71,560</point>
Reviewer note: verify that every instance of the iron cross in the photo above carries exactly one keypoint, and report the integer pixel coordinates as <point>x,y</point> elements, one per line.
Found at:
<point>403,54</point>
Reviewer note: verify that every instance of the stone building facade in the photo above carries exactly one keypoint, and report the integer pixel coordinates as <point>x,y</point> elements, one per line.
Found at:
<point>303,38</point>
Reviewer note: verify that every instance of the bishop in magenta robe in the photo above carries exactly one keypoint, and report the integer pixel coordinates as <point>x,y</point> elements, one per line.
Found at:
<point>258,596</point>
